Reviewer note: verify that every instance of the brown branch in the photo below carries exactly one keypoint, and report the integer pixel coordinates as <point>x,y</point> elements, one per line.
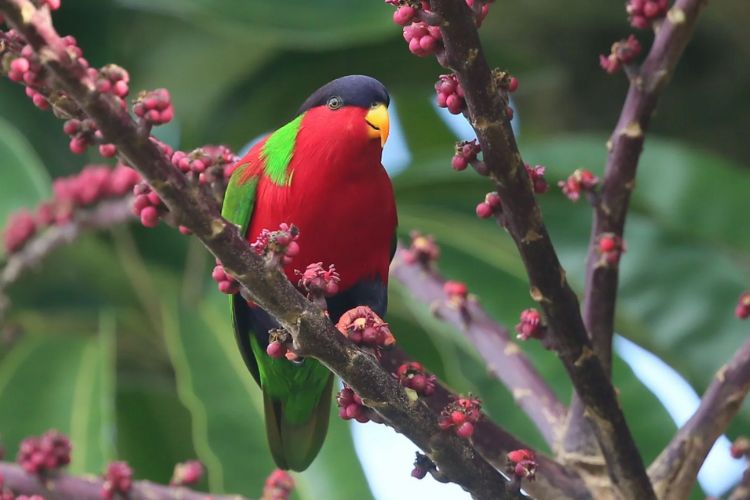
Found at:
<point>625,146</point>
<point>504,358</point>
<point>61,486</point>
<point>313,333</point>
<point>675,469</point>
<point>522,218</point>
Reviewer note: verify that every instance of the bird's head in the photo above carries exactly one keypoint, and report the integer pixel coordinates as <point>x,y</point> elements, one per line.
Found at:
<point>363,100</point>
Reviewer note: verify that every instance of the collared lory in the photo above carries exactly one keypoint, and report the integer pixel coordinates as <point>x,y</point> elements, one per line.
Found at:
<point>320,172</point>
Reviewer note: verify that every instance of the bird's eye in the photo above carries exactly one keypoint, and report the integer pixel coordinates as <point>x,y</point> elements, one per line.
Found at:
<point>335,102</point>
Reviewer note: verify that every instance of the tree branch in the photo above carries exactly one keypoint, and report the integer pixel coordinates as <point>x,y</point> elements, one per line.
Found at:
<point>675,469</point>
<point>194,208</point>
<point>504,358</point>
<point>625,147</point>
<point>61,486</point>
<point>494,443</point>
<point>522,218</point>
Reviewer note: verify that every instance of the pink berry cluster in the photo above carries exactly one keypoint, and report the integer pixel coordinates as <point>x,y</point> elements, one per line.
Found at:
<point>279,342</point>
<point>352,408</point>
<point>278,246</point>
<point>643,13</point>
<point>461,416</point>
<point>742,311</point>
<point>450,94</point>
<point>522,464</point>
<point>581,180</point>
<point>362,326</point>
<point>278,486</point>
<point>185,473</point>
<point>147,205</point>
<point>92,185</point>
<point>226,283</point>
<point>536,176</point>
<point>207,164</point>
<point>422,38</point>
<point>154,107</point>
<point>413,376</point>
<point>47,452</point>
<point>466,153</point>
<point>423,250</point>
<point>317,281</point>
<point>610,247</point>
<point>622,53</point>
<point>530,325</point>
<point>422,465</point>
<point>490,206</point>
<point>118,480</point>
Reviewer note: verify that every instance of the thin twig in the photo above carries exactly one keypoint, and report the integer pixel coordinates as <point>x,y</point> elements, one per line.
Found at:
<point>522,218</point>
<point>675,469</point>
<point>625,147</point>
<point>505,360</point>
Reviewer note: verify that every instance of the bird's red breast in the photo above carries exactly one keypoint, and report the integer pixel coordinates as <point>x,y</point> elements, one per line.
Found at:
<point>340,197</point>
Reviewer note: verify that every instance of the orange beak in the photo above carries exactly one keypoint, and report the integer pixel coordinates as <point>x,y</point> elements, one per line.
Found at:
<point>378,124</point>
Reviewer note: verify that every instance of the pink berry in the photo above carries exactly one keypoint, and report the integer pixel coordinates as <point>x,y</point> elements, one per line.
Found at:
<point>404,15</point>
<point>150,217</point>
<point>465,430</point>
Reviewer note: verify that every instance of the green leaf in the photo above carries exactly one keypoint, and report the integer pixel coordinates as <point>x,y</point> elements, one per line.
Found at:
<point>227,411</point>
<point>296,24</point>
<point>71,382</point>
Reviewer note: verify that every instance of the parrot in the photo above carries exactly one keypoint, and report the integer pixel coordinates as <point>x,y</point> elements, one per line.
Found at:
<point>321,172</point>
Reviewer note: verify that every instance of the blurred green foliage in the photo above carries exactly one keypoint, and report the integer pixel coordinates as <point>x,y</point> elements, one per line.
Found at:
<point>127,347</point>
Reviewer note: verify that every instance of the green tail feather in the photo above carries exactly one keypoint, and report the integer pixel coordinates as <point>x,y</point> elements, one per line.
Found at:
<point>294,445</point>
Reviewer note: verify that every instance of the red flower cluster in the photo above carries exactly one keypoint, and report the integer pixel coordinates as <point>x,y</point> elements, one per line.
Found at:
<point>457,294</point>
<point>280,245</point>
<point>189,472</point>
<point>422,465</point>
<point>362,326</point>
<point>316,281</point>
<point>450,94</point>
<point>279,342</point>
<point>466,153</point>
<point>413,376</point>
<point>490,206</point>
<point>278,486</point>
<point>461,415</point>
<point>352,408</point>
<point>536,176</point>
<point>643,13</point>
<point>622,52</point>
<point>530,325</point>
<point>118,480</point>
<point>580,180</point>
<point>610,247</point>
<point>423,250</point>
<point>742,311</point>
<point>147,205</point>
<point>92,185</point>
<point>522,464</point>
<point>45,453</point>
